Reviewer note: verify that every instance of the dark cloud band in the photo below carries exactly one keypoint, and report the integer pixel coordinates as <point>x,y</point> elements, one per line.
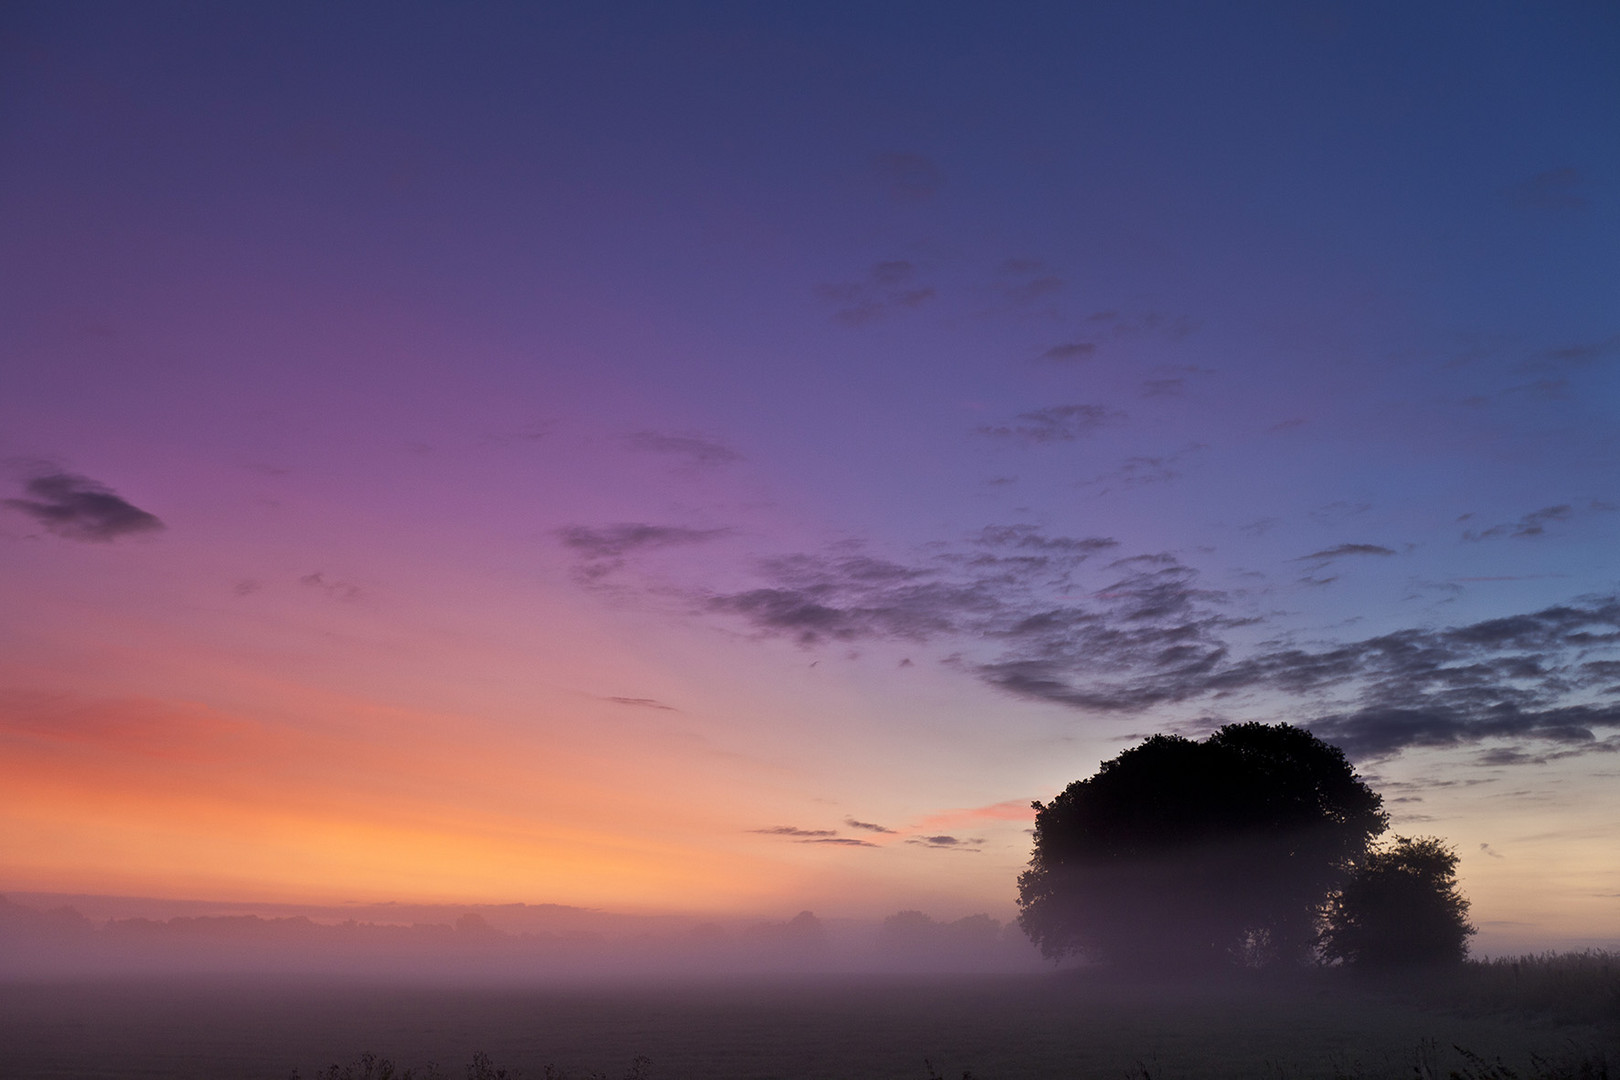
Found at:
<point>81,509</point>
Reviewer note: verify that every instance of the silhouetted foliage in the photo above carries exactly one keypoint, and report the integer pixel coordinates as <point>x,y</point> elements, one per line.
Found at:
<point>1183,854</point>
<point>1400,908</point>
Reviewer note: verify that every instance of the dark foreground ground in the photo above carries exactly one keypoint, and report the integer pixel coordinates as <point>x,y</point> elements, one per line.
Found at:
<point>998,1027</point>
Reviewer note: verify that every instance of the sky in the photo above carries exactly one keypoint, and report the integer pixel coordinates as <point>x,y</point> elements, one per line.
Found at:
<point>733,458</point>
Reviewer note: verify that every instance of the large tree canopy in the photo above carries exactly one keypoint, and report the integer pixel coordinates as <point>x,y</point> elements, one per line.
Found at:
<point>1189,854</point>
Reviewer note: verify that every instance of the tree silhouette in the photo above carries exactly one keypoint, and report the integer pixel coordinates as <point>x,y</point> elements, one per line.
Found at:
<point>1400,908</point>
<point>1183,854</point>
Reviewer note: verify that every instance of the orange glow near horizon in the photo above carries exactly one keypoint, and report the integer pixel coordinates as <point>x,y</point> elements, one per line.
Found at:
<point>173,799</point>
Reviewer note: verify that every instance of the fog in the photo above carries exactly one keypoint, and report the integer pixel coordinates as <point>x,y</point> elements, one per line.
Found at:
<point>119,988</point>
<point>44,935</point>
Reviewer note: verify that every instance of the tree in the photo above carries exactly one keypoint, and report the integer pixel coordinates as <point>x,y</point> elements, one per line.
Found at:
<point>1400,908</point>
<point>1183,854</point>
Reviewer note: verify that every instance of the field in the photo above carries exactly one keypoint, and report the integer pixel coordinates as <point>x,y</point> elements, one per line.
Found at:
<point>996,1027</point>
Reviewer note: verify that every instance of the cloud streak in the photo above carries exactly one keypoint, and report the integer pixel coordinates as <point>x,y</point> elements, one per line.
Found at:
<point>79,508</point>
<point>889,287</point>
<point>1341,551</point>
<point>1057,423</point>
<point>1532,524</point>
<point>695,451</point>
<point>813,836</point>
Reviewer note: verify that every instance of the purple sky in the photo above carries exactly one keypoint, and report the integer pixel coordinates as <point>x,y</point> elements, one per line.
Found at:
<point>597,454</point>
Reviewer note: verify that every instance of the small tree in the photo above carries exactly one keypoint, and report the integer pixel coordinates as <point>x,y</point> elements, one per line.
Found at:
<point>1400,908</point>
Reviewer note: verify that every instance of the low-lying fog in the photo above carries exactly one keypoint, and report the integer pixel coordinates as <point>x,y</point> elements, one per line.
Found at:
<point>44,935</point>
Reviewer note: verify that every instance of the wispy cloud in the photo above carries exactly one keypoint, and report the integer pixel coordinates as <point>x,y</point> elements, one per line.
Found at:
<point>867,825</point>
<point>642,703</point>
<point>1533,523</point>
<point>947,842</point>
<point>1157,323</point>
<point>889,286</point>
<point>333,589</point>
<point>1341,551</point>
<point>602,550</point>
<point>614,540</point>
<point>79,508</point>
<point>696,451</point>
<point>1058,423</point>
<point>1143,470</point>
<point>815,598</point>
<point>1070,352</point>
<point>1036,288</point>
<point>813,836</point>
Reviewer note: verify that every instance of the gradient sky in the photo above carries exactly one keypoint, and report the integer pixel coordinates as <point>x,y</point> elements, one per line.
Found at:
<point>733,457</point>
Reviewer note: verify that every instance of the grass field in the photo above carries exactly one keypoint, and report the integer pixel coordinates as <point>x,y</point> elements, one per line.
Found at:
<point>996,1027</point>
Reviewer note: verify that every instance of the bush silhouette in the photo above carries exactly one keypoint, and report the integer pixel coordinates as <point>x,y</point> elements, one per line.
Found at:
<point>1400,908</point>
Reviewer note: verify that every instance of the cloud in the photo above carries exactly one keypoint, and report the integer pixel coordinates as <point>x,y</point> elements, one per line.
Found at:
<point>1381,732</point>
<point>1334,513</point>
<point>1555,189</point>
<point>1492,852</point>
<point>853,597</point>
<point>79,508</point>
<point>1343,550</point>
<point>642,702</point>
<point>947,842</point>
<point>1143,470</point>
<point>813,836</point>
<point>1070,352</point>
<point>603,550</point>
<point>910,178</point>
<point>1058,423</point>
<point>888,287</point>
<point>695,450</point>
<point>1041,616</point>
<point>867,825</point>
<point>612,541</point>
<point>1532,524</point>
<point>1520,678</point>
<point>1031,538</point>
<point>1581,353</point>
<point>336,590</point>
<point>1034,289</point>
<point>1155,323</point>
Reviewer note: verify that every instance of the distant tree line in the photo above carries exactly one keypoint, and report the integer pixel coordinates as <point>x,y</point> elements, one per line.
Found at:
<point>1257,846</point>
